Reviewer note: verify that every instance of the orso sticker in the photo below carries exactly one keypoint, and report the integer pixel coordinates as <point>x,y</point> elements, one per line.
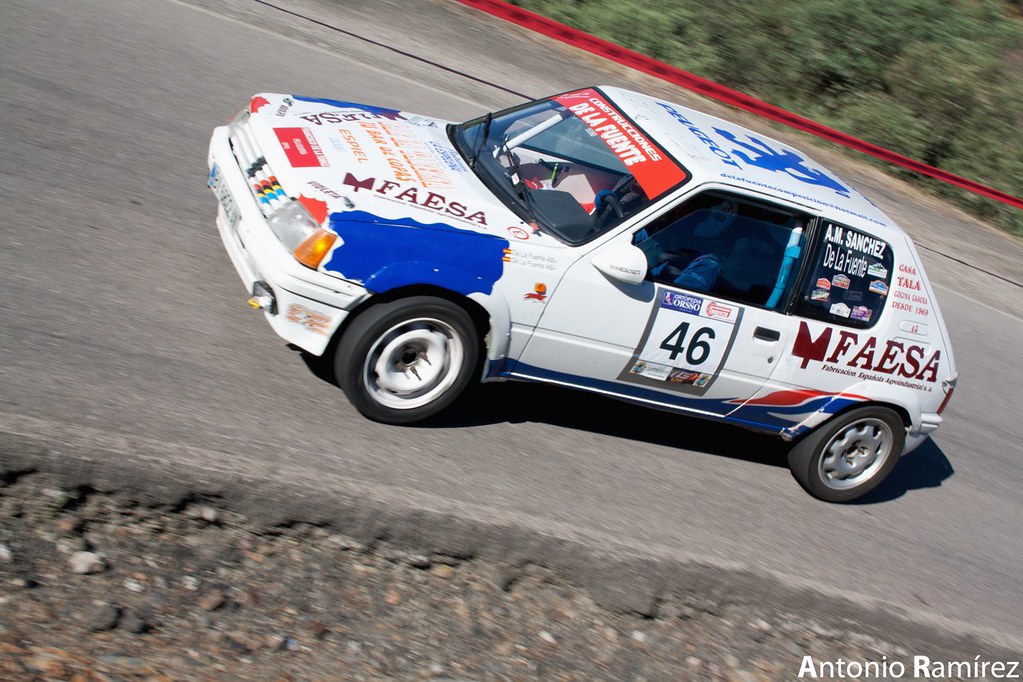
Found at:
<point>685,343</point>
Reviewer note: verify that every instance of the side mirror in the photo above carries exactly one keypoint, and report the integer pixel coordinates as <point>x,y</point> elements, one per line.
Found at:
<point>624,262</point>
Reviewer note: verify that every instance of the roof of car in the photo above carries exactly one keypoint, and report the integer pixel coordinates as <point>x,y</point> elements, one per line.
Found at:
<point>714,149</point>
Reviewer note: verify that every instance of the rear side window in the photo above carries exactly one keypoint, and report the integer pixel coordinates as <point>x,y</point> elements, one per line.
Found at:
<point>848,279</point>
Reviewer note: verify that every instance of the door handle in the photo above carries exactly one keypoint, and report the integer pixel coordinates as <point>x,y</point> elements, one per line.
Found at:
<point>766,334</point>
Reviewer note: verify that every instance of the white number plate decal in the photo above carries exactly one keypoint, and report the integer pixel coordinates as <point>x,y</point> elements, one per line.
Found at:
<point>685,343</point>
<point>216,183</point>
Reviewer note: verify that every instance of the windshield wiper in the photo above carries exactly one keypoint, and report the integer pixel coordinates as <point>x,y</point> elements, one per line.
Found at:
<point>487,120</point>
<point>518,185</point>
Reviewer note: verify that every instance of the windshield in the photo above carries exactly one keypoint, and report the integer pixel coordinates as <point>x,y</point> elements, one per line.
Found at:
<point>572,165</point>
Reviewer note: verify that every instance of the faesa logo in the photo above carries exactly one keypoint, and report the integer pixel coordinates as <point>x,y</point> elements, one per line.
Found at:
<point>888,357</point>
<point>417,196</point>
<point>349,116</point>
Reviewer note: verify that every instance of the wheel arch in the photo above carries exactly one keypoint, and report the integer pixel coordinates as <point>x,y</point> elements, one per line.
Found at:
<point>850,454</point>
<point>842,403</point>
<point>480,315</point>
<point>900,410</point>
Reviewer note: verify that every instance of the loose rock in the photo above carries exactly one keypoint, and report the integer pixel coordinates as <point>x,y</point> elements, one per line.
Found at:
<point>87,563</point>
<point>102,616</point>
<point>133,623</point>
<point>211,600</point>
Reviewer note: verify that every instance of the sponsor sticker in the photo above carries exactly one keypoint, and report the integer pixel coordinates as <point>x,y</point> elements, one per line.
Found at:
<point>539,293</point>
<point>840,281</point>
<point>878,287</point>
<point>820,295</point>
<point>655,171</point>
<point>877,270</point>
<point>695,305</point>
<point>412,195</point>
<point>840,309</point>
<point>718,310</point>
<point>845,351</point>
<point>301,147</point>
<point>652,370</point>
<point>314,321</point>
<point>528,259</point>
<point>451,160</point>
<point>823,283</point>
<point>685,303</point>
<point>861,312</point>
<point>912,327</point>
<point>683,376</point>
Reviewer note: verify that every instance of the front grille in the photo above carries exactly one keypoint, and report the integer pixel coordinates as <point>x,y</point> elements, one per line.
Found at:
<point>261,178</point>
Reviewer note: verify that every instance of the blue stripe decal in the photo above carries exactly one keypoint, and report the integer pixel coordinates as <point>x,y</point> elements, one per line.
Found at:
<point>675,403</point>
<point>769,419</point>
<point>464,261</point>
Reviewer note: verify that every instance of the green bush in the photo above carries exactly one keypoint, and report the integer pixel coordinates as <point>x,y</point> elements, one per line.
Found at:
<point>940,82</point>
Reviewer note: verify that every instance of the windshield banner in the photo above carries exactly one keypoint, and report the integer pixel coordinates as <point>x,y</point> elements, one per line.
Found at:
<point>655,171</point>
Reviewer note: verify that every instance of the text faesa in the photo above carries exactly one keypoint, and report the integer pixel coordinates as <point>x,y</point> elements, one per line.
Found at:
<point>888,357</point>
<point>417,196</point>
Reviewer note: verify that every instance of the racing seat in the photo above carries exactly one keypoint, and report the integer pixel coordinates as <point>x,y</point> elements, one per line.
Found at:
<point>751,269</point>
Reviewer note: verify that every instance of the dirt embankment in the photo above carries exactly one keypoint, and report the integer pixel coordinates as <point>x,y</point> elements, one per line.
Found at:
<point>100,587</point>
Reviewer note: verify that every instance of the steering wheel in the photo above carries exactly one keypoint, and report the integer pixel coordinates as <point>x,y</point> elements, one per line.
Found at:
<point>608,202</point>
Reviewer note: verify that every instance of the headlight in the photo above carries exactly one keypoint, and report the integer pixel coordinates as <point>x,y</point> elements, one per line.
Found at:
<point>292,224</point>
<point>241,117</point>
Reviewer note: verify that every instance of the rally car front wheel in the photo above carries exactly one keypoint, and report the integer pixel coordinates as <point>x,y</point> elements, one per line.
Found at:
<point>406,360</point>
<point>850,455</point>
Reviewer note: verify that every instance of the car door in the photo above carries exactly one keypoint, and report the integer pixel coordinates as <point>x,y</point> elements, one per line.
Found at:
<point>671,340</point>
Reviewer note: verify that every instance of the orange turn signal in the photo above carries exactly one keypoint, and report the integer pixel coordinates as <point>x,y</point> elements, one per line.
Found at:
<point>314,247</point>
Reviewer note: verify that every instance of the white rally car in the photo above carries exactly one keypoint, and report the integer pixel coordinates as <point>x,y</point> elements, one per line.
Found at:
<point>599,239</point>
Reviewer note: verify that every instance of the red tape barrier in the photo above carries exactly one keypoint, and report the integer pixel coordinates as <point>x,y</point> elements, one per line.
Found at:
<point>640,62</point>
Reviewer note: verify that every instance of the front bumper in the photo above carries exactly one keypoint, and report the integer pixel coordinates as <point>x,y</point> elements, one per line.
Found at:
<point>929,423</point>
<point>305,307</point>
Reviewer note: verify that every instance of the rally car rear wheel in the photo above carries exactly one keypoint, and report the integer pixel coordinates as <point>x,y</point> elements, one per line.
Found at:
<point>406,360</point>
<point>850,455</point>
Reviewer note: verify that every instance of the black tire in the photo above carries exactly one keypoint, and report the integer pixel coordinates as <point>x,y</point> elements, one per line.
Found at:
<point>405,361</point>
<point>850,455</point>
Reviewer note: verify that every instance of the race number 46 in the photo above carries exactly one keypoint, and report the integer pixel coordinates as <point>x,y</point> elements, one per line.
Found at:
<point>687,332</point>
<point>695,350</point>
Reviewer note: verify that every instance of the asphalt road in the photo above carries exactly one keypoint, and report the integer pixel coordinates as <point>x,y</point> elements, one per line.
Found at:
<point>122,317</point>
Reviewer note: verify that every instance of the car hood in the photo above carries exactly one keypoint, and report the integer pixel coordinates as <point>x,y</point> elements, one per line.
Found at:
<point>353,162</point>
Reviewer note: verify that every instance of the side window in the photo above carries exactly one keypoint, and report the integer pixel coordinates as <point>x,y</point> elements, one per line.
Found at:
<point>848,279</point>
<point>727,246</point>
